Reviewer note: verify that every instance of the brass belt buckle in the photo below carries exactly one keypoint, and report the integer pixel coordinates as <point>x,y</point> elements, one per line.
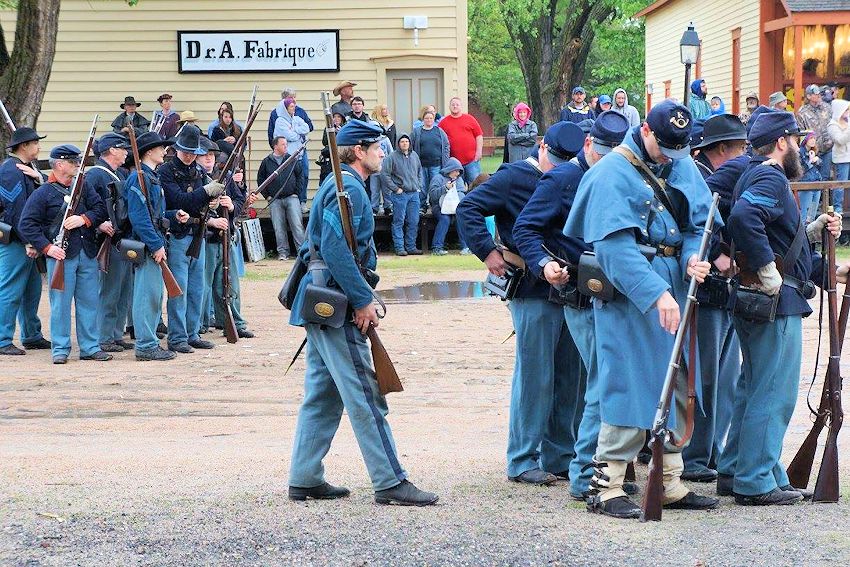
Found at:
<point>667,250</point>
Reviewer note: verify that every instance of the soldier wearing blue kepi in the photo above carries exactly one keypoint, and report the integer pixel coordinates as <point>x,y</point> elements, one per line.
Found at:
<point>765,223</point>
<point>107,177</point>
<point>183,183</point>
<point>548,381</point>
<point>340,373</point>
<point>723,138</point>
<point>615,210</point>
<point>20,283</point>
<point>40,222</point>
<point>541,223</point>
<point>150,222</point>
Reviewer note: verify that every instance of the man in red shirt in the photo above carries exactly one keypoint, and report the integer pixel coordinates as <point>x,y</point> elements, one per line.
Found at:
<point>466,139</point>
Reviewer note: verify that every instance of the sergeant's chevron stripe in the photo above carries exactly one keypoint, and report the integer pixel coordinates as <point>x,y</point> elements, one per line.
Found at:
<point>759,200</point>
<point>10,196</point>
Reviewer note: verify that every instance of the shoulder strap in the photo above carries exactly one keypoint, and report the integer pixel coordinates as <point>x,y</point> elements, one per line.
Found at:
<point>794,250</point>
<point>106,169</point>
<point>658,186</point>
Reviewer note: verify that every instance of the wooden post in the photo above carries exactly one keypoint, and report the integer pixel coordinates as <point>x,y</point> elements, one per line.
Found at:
<point>798,68</point>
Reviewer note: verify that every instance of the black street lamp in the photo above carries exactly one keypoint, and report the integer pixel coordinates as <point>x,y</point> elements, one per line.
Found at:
<point>689,48</point>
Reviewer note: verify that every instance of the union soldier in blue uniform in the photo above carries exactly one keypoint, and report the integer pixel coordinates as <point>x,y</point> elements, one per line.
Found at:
<point>147,218</point>
<point>107,177</point>
<point>20,283</point>
<point>765,222</point>
<point>40,222</point>
<point>615,210</point>
<point>183,183</point>
<point>340,374</point>
<point>547,385</point>
<point>541,223</point>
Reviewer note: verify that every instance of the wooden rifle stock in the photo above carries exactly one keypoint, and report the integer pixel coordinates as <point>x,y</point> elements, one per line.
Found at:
<point>103,254</point>
<point>58,280</point>
<point>171,285</point>
<point>385,372</point>
<point>654,493</point>
<point>230,331</point>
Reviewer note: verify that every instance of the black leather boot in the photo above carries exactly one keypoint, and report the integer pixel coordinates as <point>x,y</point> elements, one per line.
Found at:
<point>322,492</point>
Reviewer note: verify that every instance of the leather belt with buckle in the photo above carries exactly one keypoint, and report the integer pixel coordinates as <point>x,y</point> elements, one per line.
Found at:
<point>669,251</point>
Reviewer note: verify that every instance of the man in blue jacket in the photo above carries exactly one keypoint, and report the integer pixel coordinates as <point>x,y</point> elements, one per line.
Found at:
<point>340,374</point>
<point>540,224</point>
<point>41,221</point>
<point>20,283</point>
<point>578,109</point>
<point>547,382</point>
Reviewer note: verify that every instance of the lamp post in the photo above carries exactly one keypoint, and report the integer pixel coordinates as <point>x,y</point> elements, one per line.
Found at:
<point>689,48</point>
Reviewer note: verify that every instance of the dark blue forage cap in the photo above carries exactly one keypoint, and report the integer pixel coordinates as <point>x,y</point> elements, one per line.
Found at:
<point>356,133</point>
<point>564,140</point>
<point>671,123</point>
<point>111,141</point>
<point>770,126</point>
<point>608,131</point>
<point>65,151</point>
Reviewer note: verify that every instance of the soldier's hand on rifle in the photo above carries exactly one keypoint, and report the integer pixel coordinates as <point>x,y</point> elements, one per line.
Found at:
<point>29,172</point>
<point>771,279</point>
<point>495,263</point>
<point>238,177</point>
<point>698,270</point>
<point>159,255</point>
<point>72,222</point>
<point>217,223</point>
<point>226,202</point>
<point>125,130</point>
<point>668,312</point>
<point>31,251</point>
<point>182,216</point>
<point>106,228</point>
<point>833,225</point>
<point>55,252</point>
<point>723,263</point>
<point>214,189</point>
<point>842,272</point>
<point>554,274</point>
<point>366,316</point>
<point>252,198</point>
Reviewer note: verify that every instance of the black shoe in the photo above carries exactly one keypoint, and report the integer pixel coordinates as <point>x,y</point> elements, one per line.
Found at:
<point>40,344</point>
<point>126,345</point>
<point>201,344</point>
<point>631,488</point>
<point>776,497</point>
<point>129,332</point>
<point>619,507</point>
<point>162,328</point>
<point>60,359</point>
<point>693,501</point>
<point>563,475</point>
<point>322,492</point>
<point>111,347</point>
<point>156,353</point>
<point>535,476</point>
<point>203,331</point>
<point>405,494</point>
<point>806,494</point>
<point>644,456</point>
<point>12,350</point>
<point>98,356</point>
<point>401,252</point>
<point>158,335</point>
<point>725,485</point>
<point>182,348</point>
<point>415,252</point>
<point>244,334</point>
<point>704,475</point>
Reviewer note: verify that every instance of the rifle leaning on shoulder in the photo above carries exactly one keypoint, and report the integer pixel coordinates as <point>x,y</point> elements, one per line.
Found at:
<point>171,285</point>
<point>61,240</point>
<point>660,433</point>
<point>385,372</point>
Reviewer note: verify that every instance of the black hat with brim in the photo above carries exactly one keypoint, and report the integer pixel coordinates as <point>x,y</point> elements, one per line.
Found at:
<point>129,100</point>
<point>150,140</point>
<point>722,128</point>
<point>23,135</point>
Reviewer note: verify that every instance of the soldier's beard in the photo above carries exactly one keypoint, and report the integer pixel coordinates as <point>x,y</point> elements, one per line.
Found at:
<point>792,166</point>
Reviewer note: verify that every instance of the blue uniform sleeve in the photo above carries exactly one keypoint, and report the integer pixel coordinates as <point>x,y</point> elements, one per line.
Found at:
<point>139,215</point>
<point>176,198</point>
<point>488,199</point>
<point>96,208</point>
<point>628,269</point>
<point>532,223</point>
<point>32,224</point>
<point>758,206</point>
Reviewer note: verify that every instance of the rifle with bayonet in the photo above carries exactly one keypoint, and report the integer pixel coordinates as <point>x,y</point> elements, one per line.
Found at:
<point>230,331</point>
<point>171,285</point>
<point>660,433</point>
<point>61,240</point>
<point>385,372</point>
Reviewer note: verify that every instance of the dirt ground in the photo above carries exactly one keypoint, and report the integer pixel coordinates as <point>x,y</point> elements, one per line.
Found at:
<point>185,463</point>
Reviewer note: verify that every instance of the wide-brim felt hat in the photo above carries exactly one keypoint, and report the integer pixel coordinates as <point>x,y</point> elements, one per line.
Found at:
<point>129,100</point>
<point>187,116</point>
<point>150,140</point>
<point>722,128</point>
<point>342,85</point>
<point>189,140</point>
<point>23,135</point>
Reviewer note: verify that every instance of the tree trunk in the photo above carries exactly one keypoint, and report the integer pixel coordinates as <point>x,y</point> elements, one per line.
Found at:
<point>25,73</point>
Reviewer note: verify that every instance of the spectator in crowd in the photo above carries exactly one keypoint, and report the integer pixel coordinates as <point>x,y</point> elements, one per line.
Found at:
<point>827,93</point>
<point>778,101</point>
<point>594,103</point>
<point>324,161</point>
<point>401,175</point>
<point>811,172</point>
<point>603,103</point>
<point>815,115</point>
<point>427,108</point>
<point>449,177</point>
<point>293,128</point>
<point>491,220</point>
<point>165,119</point>
<point>839,133</point>
<point>698,104</point>
<point>345,91</point>
<point>376,188</point>
<point>621,105</point>
<point>577,110</point>
<point>466,139</point>
<point>290,92</point>
<point>717,106</point>
<point>221,108</point>
<point>431,144</point>
<point>750,104</point>
<point>284,207</point>
<point>121,123</point>
<point>358,111</point>
<point>227,132</point>
<point>522,134</point>
<point>381,115</point>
